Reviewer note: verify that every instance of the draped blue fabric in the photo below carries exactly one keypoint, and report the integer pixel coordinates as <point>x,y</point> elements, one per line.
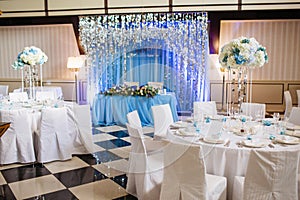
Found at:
<point>155,47</point>
<point>110,110</point>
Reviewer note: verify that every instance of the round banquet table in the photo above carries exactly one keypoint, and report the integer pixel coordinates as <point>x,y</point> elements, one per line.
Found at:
<point>230,158</point>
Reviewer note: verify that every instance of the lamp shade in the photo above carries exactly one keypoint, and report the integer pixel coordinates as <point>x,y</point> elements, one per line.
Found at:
<point>75,63</point>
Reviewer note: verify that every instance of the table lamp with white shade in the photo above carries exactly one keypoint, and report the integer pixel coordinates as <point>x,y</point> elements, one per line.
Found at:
<point>74,65</point>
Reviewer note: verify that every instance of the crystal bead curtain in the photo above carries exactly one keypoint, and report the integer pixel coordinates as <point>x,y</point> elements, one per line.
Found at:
<point>164,47</point>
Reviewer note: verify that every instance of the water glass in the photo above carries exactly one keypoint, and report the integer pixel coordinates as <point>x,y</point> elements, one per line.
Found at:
<point>276,116</point>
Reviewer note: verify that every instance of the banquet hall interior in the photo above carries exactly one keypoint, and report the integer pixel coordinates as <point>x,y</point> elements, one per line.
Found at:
<point>110,99</point>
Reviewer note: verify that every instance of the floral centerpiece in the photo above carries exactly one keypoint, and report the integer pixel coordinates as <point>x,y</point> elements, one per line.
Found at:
<point>30,56</point>
<point>243,52</point>
<point>146,90</point>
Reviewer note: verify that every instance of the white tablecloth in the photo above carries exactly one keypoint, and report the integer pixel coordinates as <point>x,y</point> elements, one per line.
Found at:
<point>228,161</point>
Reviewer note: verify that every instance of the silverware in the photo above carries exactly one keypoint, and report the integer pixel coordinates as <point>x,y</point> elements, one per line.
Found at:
<point>271,145</point>
<point>227,143</point>
<point>239,144</point>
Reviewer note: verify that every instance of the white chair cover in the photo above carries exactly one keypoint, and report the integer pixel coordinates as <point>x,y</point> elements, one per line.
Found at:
<point>131,84</point>
<point>288,103</point>
<point>151,145</point>
<point>269,175</point>
<point>298,97</point>
<point>134,119</point>
<point>157,85</point>
<point>16,145</point>
<point>53,141</point>
<point>4,90</point>
<point>185,175</point>
<point>18,96</point>
<point>204,108</point>
<point>144,172</point>
<point>250,109</point>
<point>45,95</point>
<point>295,116</point>
<point>80,128</point>
<point>162,118</point>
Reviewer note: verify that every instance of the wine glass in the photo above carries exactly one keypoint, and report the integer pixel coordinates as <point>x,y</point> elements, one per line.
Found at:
<point>276,116</point>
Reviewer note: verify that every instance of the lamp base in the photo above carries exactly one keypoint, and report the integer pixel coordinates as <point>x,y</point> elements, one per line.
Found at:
<point>74,69</point>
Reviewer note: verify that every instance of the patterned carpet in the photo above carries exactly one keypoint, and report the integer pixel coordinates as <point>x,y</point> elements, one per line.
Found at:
<point>100,175</point>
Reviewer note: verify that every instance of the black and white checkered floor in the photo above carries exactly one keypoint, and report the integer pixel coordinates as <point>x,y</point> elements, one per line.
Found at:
<point>98,176</point>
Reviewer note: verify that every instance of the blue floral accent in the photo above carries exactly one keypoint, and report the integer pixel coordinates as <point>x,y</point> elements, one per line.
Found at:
<point>30,56</point>
<point>243,52</point>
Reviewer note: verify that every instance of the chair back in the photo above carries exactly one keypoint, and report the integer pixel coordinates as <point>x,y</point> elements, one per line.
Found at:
<point>45,95</point>
<point>54,133</point>
<point>253,109</point>
<point>83,121</point>
<point>271,175</point>
<point>295,116</point>
<point>162,118</point>
<point>18,96</point>
<point>184,173</point>
<point>144,172</point>
<point>4,90</point>
<point>156,85</point>
<point>16,145</point>
<point>134,119</point>
<point>204,108</point>
<point>288,103</point>
<point>131,84</point>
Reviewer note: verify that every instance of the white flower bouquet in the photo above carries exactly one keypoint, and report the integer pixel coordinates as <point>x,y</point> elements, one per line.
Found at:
<point>243,52</point>
<point>30,56</point>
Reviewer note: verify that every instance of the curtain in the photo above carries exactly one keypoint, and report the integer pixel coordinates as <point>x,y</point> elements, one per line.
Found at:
<point>159,47</point>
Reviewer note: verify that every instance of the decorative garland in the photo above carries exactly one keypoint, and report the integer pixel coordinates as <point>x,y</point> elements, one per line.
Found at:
<point>144,91</point>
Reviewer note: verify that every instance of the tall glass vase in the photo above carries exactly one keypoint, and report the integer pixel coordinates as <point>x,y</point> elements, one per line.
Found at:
<point>31,79</point>
<point>238,89</point>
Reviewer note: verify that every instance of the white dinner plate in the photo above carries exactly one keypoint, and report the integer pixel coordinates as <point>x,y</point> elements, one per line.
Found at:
<point>255,143</point>
<point>285,139</point>
<point>212,140</point>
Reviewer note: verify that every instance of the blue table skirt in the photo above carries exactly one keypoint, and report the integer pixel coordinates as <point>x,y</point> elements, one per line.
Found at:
<point>110,110</point>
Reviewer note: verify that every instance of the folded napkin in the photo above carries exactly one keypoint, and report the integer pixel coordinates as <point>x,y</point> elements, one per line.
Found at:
<point>295,133</point>
<point>179,124</point>
<point>292,126</point>
<point>255,143</point>
<point>284,139</point>
<point>187,132</point>
<point>213,140</point>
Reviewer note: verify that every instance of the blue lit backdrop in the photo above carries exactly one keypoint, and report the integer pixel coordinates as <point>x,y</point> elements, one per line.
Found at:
<point>162,47</point>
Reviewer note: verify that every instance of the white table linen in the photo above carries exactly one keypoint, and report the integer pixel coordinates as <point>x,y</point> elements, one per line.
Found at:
<point>229,160</point>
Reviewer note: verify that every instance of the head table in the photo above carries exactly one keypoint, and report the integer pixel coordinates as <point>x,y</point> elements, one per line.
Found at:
<point>226,149</point>
<point>110,110</point>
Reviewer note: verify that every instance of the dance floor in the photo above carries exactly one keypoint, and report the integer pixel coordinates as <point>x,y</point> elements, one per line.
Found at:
<point>97,176</point>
